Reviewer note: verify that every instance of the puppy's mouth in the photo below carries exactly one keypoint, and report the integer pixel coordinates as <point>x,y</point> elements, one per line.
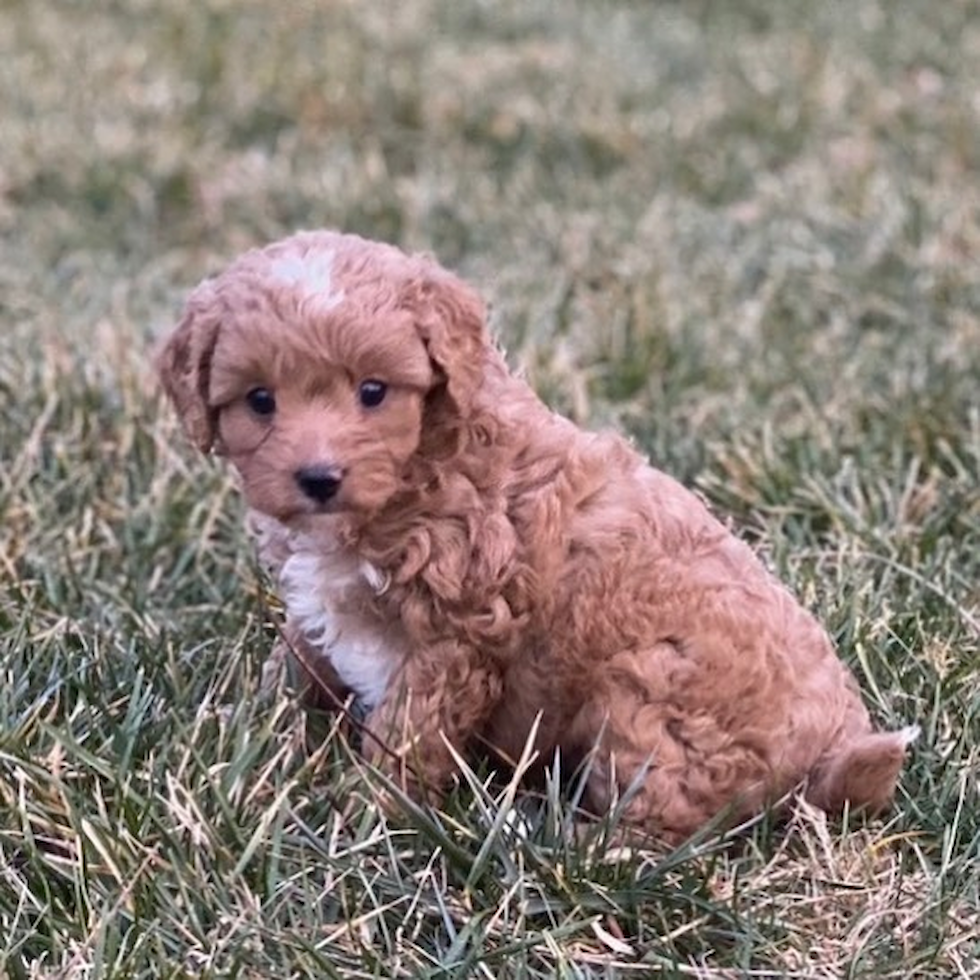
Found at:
<point>315,491</point>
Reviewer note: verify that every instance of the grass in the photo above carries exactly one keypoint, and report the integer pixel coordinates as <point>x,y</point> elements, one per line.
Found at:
<point>744,232</point>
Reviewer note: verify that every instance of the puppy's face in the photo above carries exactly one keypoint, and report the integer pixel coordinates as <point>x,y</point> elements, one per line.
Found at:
<point>323,427</point>
<point>310,364</point>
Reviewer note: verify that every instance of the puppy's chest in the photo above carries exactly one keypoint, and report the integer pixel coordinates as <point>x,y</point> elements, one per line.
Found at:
<point>332,598</point>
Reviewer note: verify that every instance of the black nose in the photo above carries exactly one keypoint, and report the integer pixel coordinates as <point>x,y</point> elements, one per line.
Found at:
<point>319,483</point>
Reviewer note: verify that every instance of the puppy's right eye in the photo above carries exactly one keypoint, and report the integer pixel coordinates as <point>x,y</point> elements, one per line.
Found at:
<point>261,401</point>
<point>371,393</point>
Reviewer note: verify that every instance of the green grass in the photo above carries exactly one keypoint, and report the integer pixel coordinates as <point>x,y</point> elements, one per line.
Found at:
<point>745,232</point>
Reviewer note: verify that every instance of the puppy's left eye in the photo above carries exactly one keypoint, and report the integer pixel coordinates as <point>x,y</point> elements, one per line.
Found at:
<point>261,401</point>
<point>371,393</point>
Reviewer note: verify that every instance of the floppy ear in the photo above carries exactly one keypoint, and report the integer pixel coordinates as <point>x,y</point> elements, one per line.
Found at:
<point>451,320</point>
<point>184,365</point>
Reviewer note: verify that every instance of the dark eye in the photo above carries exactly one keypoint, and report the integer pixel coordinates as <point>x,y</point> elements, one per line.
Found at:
<point>261,401</point>
<point>372,393</point>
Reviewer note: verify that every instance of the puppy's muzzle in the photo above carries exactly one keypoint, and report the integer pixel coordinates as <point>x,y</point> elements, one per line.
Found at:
<point>320,483</point>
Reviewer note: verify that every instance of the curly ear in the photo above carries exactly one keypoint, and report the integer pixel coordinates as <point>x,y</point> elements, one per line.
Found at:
<point>183,363</point>
<point>451,320</point>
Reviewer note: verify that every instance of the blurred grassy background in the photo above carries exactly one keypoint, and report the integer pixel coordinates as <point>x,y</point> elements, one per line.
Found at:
<point>747,232</point>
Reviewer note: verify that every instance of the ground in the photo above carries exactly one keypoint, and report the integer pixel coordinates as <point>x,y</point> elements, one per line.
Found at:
<point>746,233</point>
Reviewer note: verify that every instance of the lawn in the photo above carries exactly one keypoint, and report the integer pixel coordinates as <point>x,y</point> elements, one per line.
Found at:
<point>745,232</point>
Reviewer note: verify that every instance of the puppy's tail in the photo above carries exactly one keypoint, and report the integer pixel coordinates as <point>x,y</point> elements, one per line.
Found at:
<point>861,773</point>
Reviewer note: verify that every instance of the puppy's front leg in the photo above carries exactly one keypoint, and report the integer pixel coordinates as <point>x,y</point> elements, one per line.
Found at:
<point>442,694</point>
<point>307,670</point>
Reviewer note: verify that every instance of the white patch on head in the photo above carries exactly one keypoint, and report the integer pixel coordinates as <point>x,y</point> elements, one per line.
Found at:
<point>327,595</point>
<point>310,275</point>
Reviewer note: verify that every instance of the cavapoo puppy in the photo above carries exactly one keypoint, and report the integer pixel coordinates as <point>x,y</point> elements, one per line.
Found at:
<point>465,562</point>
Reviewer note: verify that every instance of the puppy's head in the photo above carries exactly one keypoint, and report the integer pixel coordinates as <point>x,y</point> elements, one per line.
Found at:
<point>315,364</point>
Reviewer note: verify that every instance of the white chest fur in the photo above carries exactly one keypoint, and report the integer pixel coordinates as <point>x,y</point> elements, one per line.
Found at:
<point>328,594</point>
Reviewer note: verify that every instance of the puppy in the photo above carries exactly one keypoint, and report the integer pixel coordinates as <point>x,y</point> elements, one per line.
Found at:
<point>475,569</point>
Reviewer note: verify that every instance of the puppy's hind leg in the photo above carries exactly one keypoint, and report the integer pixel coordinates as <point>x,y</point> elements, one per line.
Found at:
<point>657,748</point>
